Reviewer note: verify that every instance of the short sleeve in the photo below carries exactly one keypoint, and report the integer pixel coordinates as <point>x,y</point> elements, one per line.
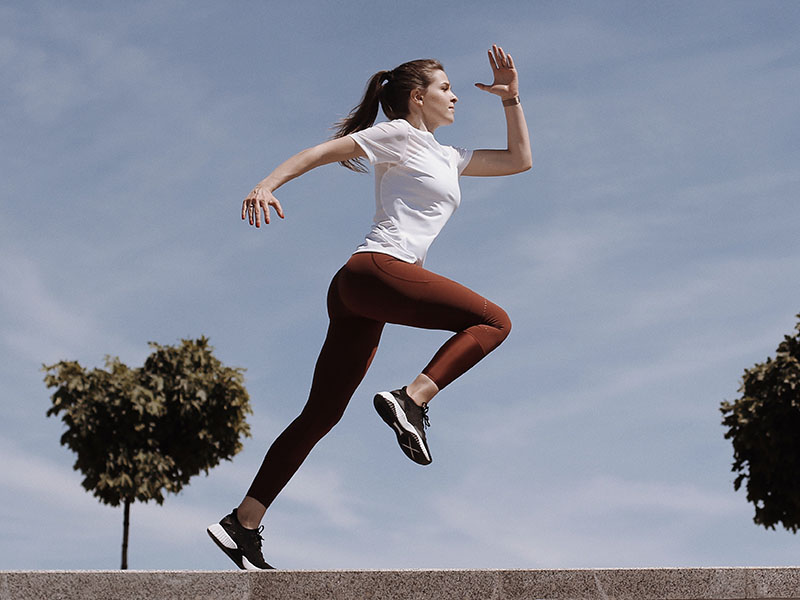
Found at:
<point>384,142</point>
<point>463,156</point>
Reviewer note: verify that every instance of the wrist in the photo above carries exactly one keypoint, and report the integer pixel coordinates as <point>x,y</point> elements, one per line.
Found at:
<point>511,100</point>
<point>268,184</point>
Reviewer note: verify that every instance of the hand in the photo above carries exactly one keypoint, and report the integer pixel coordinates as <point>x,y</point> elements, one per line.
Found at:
<point>258,201</point>
<point>506,82</point>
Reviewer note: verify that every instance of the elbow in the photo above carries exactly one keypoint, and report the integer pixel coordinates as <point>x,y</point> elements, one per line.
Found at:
<point>522,160</point>
<point>527,162</point>
<point>524,165</point>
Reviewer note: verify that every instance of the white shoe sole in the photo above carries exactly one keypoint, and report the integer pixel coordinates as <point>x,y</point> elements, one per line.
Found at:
<point>407,436</point>
<point>227,545</point>
<point>221,538</point>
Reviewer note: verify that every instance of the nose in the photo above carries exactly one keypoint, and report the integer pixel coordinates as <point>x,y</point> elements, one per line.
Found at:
<point>454,99</point>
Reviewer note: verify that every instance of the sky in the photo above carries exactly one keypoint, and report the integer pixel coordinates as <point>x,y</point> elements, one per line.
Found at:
<point>648,258</point>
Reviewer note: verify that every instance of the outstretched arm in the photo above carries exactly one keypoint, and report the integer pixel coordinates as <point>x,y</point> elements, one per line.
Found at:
<point>517,156</point>
<point>261,198</point>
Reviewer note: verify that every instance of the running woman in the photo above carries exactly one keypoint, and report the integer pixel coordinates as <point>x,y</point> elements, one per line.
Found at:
<point>416,191</point>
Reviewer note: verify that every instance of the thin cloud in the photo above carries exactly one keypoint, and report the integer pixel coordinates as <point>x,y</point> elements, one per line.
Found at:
<point>324,491</point>
<point>563,523</point>
<point>39,325</point>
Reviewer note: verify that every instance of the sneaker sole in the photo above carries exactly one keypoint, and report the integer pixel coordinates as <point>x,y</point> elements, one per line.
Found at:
<point>412,445</point>
<point>225,542</point>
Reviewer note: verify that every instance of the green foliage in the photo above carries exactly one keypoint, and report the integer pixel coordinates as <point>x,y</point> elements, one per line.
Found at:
<point>764,426</point>
<point>140,433</point>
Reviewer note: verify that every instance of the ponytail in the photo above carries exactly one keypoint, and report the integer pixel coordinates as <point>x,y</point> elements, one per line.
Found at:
<point>362,116</point>
<point>390,89</point>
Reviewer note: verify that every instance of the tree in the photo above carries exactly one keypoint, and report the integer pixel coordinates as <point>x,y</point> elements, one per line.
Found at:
<point>140,433</point>
<point>764,426</point>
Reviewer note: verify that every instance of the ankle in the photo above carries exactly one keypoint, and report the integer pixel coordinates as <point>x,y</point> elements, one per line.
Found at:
<point>422,390</point>
<point>246,523</point>
<point>250,512</point>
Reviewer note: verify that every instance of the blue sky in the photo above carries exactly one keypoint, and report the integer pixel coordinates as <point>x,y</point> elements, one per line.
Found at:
<point>649,257</point>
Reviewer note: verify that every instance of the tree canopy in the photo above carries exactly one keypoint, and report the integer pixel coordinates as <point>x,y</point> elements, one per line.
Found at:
<point>139,433</point>
<point>764,427</point>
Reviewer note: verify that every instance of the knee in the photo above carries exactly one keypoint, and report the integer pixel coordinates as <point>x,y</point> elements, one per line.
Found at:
<point>494,329</point>
<point>499,320</point>
<point>320,418</point>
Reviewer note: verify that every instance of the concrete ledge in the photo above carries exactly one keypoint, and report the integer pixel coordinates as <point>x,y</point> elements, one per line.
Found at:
<point>568,584</point>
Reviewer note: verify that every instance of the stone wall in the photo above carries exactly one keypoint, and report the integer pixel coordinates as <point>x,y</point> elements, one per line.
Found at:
<point>561,584</point>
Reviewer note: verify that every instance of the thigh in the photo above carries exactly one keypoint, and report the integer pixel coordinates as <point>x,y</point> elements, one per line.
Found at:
<point>382,288</point>
<point>345,357</point>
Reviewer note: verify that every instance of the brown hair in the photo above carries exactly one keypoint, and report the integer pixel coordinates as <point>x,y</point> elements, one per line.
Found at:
<point>390,89</point>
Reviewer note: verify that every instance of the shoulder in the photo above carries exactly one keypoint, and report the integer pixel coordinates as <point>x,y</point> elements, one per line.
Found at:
<point>397,127</point>
<point>384,142</point>
<point>386,133</point>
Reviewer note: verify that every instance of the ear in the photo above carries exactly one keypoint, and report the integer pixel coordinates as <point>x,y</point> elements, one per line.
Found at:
<point>417,94</point>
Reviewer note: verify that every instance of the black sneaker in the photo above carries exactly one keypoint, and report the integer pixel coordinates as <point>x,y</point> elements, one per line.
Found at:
<point>408,421</point>
<point>242,545</point>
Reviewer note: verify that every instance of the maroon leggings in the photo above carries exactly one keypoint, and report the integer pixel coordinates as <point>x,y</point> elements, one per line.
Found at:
<point>371,290</point>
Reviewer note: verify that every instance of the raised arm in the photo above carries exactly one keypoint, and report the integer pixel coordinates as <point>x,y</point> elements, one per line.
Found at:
<point>261,197</point>
<point>517,155</point>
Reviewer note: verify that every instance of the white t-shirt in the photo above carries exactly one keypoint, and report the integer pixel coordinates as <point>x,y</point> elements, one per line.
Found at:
<point>416,188</point>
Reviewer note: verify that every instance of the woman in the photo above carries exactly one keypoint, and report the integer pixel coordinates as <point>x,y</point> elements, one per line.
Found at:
<point>384,281</point>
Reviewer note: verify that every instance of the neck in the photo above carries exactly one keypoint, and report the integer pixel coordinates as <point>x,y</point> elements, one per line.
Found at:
<point>416,121</point>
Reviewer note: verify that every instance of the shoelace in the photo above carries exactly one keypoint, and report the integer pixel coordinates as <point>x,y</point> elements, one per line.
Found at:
<point>257,538</point>
<point>425,420</point>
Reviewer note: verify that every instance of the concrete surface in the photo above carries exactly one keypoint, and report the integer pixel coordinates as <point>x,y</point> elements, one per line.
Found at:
<point>567,584</point>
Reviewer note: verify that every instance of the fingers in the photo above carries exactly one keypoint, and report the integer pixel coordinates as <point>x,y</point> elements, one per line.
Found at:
<point>278,208</point>
<point>492,62</point>
<point>500,56</point>
<point>499,59</point>
<point>255,204</point>
<point>250,209</point>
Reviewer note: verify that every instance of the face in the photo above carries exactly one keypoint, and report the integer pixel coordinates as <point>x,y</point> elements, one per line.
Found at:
<point>438,101</point>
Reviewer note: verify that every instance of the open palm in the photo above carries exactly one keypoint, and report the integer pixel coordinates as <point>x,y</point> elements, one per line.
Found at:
<point>506,82</point>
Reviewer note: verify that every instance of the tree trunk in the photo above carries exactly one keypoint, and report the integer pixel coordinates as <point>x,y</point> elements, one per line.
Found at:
<point>126,521</point>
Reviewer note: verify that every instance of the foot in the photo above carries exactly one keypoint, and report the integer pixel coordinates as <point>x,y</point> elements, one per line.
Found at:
<point>242,545</point>
<point>408,421</point>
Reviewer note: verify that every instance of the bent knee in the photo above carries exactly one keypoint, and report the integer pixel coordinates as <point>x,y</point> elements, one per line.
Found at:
<point>504,324</point>
<point>499,321</point>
